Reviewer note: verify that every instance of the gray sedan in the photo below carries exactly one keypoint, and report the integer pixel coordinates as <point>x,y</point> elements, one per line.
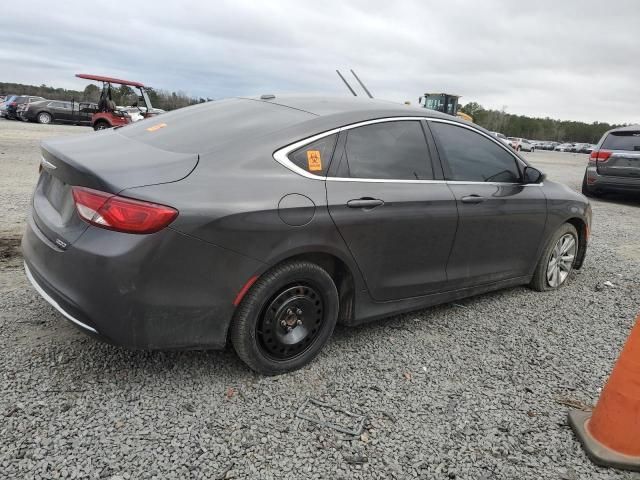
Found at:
<point>265,221</point>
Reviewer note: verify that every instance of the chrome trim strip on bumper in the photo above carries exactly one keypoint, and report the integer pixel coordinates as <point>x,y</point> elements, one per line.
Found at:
<point>55,304</point>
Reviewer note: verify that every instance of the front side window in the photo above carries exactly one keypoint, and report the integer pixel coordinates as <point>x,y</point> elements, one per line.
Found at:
<point>315,157</point>
<point>390,150</point>
<point>472,157</point>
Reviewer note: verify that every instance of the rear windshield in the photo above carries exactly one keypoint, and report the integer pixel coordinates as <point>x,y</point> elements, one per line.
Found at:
<point>622,141</point>
<point>208,126</point>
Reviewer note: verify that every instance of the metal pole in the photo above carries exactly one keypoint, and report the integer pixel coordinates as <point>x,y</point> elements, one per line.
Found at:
<point>345,82</point>
<point>361,84</point>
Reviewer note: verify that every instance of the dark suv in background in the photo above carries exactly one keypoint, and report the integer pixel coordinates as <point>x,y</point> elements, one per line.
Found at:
<point>614,165</point>
<point>12,106</point>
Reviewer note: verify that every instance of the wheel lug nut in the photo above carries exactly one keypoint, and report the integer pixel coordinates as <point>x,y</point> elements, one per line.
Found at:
<point>298,312</point>
<point>299,322</point>
<point>283,323</point>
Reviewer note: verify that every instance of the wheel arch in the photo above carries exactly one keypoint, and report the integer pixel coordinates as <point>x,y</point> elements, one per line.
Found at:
<point>344,274</point>
<point>583,236</point>
<point>101,120</point>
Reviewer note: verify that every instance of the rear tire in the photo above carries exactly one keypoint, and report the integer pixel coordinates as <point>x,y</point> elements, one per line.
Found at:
<point>556,262</point>
<point>44,118</point>
<point>286,318</point>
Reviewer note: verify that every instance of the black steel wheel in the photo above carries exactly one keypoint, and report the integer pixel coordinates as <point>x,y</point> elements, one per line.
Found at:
<point>285,318</point>
<point>291,322</point>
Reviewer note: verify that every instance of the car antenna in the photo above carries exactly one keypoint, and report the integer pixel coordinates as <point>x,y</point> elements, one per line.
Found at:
<point>361,84</point>
<point>346,83</point>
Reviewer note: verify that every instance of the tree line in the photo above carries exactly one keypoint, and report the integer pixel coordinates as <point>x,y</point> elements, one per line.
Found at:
<point>122,95</point>
<point>536,128</point>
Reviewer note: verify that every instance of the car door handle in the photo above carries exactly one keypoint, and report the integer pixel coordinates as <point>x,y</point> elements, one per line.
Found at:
<point>473,199</point>
<point>365,203</point>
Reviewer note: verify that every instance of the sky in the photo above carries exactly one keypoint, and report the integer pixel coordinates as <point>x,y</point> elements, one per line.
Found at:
<point>571,59</point>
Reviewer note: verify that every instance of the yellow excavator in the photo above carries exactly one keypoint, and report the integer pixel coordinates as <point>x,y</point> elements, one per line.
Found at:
<point>445,103</point>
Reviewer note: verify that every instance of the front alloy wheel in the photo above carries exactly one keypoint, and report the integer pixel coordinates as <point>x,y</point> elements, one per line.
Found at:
<point>561,260</point>
<point>44,118</point>
<point>556,262</point>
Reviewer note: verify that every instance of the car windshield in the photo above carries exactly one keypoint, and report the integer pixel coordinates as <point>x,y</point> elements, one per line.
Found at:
<point>622,141</point>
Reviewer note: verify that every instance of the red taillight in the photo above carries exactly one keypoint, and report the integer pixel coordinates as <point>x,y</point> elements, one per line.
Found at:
<point>122,214</point>
<point>599,156</point>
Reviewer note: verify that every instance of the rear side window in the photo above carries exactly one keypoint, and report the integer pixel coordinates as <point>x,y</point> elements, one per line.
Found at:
<point>314,157</point>
<point>471,157</point>
<point>389,150</point>
<point>622,141</point>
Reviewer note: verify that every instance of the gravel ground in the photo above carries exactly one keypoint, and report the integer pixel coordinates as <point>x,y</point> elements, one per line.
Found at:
<point>473,390</point>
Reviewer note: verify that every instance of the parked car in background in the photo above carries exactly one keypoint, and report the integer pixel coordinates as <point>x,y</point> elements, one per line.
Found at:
<point>318,216</point>
<point>614,165</point>
<point>564,147</point>
<point>521,144</point>
<point>587,148</point>
<point>4,104</point>
<point>577,147</point>
<point>12,106</point>
<point>501,137</point>
<point>48,111</point>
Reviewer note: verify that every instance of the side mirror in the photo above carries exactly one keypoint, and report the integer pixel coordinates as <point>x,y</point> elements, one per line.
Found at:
<point>533,175</point>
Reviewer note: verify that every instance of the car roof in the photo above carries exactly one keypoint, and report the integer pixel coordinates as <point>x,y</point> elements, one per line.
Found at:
<point>334,105</point>
<point>628,128</point>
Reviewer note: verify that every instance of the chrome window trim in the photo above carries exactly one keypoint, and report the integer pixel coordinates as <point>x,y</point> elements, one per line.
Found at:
<point>53,303</point>
<point>282,155</point>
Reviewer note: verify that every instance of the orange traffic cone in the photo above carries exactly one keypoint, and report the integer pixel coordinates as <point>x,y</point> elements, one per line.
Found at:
<point>611,433</point>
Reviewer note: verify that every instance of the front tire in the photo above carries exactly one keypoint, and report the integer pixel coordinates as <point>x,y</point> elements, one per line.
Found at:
<point>44,118</point>
<point>285,318</point>
<point>556,262</point>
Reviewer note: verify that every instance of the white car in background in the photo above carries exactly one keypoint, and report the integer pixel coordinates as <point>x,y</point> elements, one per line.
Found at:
<point>501,137</point>
<point>564,147</point>
<point>521,144</point>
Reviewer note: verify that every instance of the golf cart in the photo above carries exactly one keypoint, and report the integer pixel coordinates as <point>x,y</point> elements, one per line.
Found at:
<point>109,114</point>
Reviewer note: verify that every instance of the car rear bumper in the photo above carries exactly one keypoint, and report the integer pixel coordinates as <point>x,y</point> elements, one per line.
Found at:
<point>603,183</point>
<point>160,291</point>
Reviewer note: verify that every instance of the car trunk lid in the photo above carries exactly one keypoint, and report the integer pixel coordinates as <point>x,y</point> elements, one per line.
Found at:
<point>102,161</point>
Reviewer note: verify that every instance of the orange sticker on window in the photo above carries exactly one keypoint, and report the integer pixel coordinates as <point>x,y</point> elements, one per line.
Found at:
<point>313,160</point>
<point>155,127</point>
